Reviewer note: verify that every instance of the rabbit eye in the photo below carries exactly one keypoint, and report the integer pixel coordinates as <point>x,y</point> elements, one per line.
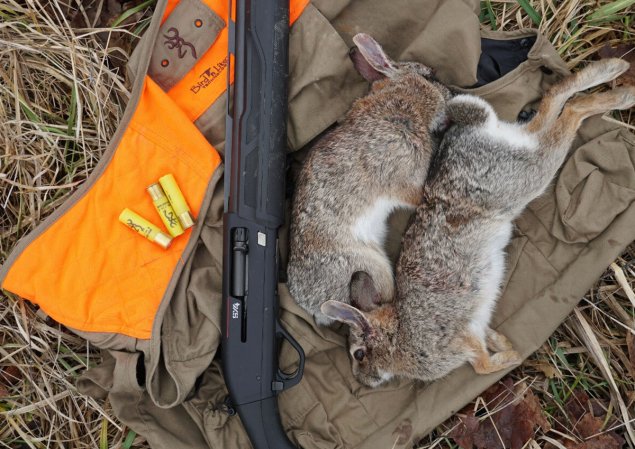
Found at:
<point>359,355</point>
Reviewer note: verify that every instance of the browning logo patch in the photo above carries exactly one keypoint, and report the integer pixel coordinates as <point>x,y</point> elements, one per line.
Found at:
<point>174,40</point>
<point>209,75</point>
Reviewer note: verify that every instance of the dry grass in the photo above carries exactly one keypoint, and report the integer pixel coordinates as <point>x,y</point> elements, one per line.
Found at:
<point>62,92</point>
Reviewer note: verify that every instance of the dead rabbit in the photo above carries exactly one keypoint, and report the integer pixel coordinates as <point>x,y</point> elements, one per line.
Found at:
<point>452,262</point>
<point>374,161</point>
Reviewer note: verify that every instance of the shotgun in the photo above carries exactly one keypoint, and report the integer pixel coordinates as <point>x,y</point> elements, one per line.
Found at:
<point>255,156</point>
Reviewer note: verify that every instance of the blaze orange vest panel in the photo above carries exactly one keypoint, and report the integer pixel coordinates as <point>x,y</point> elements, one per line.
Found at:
<point>87,270</point>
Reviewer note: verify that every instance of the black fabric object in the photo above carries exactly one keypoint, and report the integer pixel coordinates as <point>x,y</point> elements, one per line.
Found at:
<point>499,57</point>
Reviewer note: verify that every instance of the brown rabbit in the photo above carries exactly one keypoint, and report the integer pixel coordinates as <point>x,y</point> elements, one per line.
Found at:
<point>375,161</point>
<point>452,261</point>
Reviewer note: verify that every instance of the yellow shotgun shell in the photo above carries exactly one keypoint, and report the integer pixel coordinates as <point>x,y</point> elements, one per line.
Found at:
<point>165,210</point>
<point>171,189</point>
<point>145,228</point>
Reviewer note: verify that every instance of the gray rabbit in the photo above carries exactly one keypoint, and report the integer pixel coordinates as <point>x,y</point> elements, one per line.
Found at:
<point>452,262</point>
<point>376,160</point>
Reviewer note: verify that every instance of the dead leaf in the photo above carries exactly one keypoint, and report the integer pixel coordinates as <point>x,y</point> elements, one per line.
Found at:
<point>499,393</point>
<point>587,415</point>
<point>577,405</point>
<point>511,427</point>
<point>589,425</point>
<point>598,407</point>
<point>10,375</point>
<point>532,411</point>
<point>605,441</point>
<point>463,433</point>
<point>626,52</point>
<point>547,369</point>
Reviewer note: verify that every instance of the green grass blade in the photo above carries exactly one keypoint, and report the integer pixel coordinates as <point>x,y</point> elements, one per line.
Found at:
<point>555,392</point>
<point>29,112</point>
<point>72,114</point>
<point>145,23</point>
<point>573,26</point>
<point>70,122</point>
<point>531,12</point>
<point>33,117</point>
<point>561,357</point>
<point>490,15</point>
<point>127,443</point>
<point>610,9</point>
<point>7,12</point>
<point>129,12</point>
<point>607,19</point>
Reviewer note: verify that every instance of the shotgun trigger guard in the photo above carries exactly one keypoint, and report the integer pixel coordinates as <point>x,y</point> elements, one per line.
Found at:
<point>290,379</point>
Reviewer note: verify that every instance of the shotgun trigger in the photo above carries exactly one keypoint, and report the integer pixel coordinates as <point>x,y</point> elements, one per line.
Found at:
<point>288,380</point>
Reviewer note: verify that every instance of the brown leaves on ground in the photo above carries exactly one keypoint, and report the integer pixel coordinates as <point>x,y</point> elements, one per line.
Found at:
<point>103,14</point>
<point>588,416</point>
<point>626,52</point>
<point>9,376</point>
<point>511,416</point>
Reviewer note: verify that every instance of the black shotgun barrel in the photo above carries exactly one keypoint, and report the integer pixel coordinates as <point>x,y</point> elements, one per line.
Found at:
<point>257,120</point>
<point>255,157</point>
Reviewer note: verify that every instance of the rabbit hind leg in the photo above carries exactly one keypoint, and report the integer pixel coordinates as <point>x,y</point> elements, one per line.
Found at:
<point>563,130</point>
<point>555,98</point>
<point>556,140</point>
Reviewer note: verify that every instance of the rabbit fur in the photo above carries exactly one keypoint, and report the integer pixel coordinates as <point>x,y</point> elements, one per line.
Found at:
<point>451,266</point>
<point>376,160</point>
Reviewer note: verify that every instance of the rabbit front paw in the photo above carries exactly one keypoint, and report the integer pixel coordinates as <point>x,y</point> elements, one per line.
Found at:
<point>497,342</point>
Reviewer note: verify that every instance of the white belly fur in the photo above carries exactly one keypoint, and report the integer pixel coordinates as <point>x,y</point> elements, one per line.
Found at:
<point>490,284</point>
<point>371,225</point>
<point>512,134</point>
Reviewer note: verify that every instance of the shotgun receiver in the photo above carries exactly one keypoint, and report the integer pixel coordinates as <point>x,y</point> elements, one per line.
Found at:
<point>255,156</point>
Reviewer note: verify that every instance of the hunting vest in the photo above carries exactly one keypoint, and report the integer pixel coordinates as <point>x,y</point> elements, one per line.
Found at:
<point>156,313</point>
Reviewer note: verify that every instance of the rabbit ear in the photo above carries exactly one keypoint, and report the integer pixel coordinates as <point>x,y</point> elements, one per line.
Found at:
<point>363,67</point>
<point>370,60</point>
<point>363,292</point>
<point>340,311</point>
